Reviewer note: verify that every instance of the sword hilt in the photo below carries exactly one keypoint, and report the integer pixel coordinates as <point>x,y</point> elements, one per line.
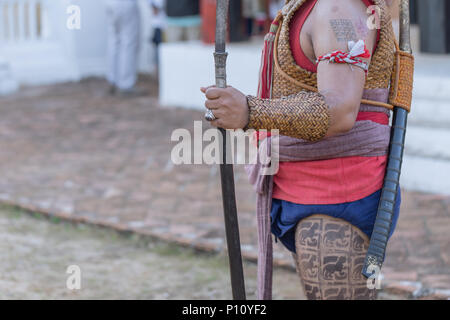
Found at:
<point>220,60</point>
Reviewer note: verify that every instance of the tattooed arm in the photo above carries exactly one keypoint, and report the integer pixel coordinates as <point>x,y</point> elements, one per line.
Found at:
<point>332,25</point>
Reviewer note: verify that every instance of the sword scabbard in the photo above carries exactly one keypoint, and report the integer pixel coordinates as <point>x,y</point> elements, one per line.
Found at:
<point>386,207</point>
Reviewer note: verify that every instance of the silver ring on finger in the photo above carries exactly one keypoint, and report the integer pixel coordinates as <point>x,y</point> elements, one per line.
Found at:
<point>209,115</point>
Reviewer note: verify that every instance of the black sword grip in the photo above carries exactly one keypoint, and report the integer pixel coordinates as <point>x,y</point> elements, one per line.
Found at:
<point>383,223</point>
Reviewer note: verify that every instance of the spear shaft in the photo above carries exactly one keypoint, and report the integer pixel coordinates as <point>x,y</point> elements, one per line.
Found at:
<point>226,168</point>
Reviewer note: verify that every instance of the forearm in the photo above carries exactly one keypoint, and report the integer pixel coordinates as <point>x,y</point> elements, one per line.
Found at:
<point>304,115</point>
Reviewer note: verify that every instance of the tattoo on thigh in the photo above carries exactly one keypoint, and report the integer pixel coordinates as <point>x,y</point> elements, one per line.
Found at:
<point>343,29</point>
<point>329,257</point>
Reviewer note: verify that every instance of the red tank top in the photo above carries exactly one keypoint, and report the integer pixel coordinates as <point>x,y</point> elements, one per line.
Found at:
<point>327,181</point>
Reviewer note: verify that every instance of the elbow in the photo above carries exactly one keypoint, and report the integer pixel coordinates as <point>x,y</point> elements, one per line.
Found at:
<point>343,111</point>
<point>345,120</point>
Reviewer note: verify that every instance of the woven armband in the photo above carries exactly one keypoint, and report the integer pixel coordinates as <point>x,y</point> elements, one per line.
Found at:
<point>304,115</point>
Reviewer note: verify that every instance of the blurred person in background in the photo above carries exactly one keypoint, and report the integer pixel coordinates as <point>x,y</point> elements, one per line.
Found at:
<point>261,19</point>
<point>158,25</point>
<point>183,20</point>
<point>123,21</point>
<point>253,10</point>
<point>274,7</point>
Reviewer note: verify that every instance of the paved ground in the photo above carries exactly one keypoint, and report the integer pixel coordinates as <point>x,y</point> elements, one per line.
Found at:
<point>112,265</point>
<point>71,151</point>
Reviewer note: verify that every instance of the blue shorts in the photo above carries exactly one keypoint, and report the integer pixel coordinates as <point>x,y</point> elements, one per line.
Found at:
<point>361,213</point>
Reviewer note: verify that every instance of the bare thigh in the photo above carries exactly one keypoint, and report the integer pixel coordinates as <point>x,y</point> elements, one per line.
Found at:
<point>329,259</point>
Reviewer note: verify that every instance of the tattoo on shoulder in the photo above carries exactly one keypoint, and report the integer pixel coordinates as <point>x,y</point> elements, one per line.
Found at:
<point>344,30</point>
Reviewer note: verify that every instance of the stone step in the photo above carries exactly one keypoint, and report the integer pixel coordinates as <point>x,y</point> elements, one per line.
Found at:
<point>426,163</point>
<point>428,86</point>
<point>426,175</point>
<point>431,76</point>
<point>431,95</point>
<point>428,142</point>
<point>430,112</point>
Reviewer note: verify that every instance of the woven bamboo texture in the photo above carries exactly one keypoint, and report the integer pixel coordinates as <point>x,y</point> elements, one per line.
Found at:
<point>402,81</point>
<point>304,115</point>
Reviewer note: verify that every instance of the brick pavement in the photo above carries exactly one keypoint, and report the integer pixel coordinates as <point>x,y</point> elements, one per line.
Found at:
<point>70,150</point>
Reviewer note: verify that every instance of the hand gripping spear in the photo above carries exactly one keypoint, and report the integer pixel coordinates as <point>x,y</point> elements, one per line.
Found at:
<point>226,168</point>
<point>383,223</point>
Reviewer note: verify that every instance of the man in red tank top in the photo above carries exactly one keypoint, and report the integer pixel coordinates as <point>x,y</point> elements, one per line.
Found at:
<point>346,179</point>
<point>322,210</point>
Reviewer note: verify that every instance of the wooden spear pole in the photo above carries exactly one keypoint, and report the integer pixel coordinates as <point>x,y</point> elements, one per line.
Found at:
<point>226,167</point>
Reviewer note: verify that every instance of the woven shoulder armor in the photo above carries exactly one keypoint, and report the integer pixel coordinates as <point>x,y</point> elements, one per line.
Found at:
<point>287,72</point>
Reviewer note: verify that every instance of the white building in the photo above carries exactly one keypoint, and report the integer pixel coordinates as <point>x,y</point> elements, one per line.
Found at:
<point>41,43</point>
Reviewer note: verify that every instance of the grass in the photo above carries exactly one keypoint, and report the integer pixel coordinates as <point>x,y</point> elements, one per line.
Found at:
<point>35,251</point>
<point>137,240</point>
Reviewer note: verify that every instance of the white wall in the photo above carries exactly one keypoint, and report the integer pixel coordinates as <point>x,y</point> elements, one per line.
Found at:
<point>185,67</point>
<point>69,55</point>
<point>87,46</point>
<point>89,43</point>
<point>40,59</point>
<point>8,84</point>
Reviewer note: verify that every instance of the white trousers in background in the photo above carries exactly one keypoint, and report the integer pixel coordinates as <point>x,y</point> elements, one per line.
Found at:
<point>123,42</point>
